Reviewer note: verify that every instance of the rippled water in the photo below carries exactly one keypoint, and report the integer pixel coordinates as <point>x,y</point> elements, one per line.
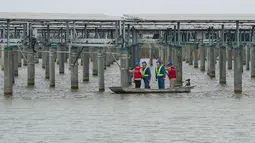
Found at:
<point>210,113</point>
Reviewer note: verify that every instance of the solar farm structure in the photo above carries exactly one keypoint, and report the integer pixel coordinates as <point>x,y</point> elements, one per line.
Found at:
<point>61,37</point>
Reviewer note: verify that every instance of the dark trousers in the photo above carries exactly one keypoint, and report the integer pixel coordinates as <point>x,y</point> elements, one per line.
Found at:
<point>161,83</point>
<point>146,82</point>
<point>137,83</point>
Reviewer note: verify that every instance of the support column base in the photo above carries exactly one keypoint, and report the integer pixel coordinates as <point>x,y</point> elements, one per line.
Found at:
<point>212,75</point>
<point>52,84</point>
<point>95,73</point>
<point>101,89</point>
<point>190,63</point>
<point>238,90</point>
<point>202,68</point>
<point>8,93</point>
<point>195,66</point>
<point>223,82</point>
<point>230,68</point>
<point>75,87</point>
<point>61,72</point>
<point>30,83</point>
<point>86,79</point>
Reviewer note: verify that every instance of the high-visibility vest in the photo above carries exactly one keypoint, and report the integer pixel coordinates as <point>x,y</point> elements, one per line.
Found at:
<point>144,72</point>
<point>158,71</point>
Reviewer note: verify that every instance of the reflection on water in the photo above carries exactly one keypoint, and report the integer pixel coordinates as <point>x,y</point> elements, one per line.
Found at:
<point>210,113</point>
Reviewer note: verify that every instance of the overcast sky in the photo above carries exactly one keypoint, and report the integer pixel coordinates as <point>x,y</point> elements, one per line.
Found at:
<point>118,7</point>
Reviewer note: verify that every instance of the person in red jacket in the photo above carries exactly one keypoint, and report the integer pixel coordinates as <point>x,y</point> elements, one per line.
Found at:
<point>171,74</point>
<point>137,75</point>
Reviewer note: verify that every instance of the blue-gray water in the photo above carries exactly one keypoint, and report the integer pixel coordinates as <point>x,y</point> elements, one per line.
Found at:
<point>210,113</point>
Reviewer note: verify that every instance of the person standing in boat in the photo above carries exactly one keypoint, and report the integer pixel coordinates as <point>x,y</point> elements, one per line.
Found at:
<point>171,74</point>
<point>146,75</point>
<point>137,75</point>
<point>160,73</point>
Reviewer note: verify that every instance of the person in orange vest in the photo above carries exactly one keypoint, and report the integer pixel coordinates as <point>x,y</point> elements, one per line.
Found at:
<point>137,75</point>
<point>171,74</point>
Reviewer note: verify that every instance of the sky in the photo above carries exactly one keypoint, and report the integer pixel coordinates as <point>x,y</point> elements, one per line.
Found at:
<point>119,7</point>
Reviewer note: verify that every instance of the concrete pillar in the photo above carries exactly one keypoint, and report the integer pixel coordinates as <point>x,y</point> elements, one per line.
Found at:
<point>61,58</point>
<point>74,68</point>
<point>195,57</point>
<point>101,70</point>
<point>52,56</point>
<point>8,71</point>
<point>248,53</point>
<point>39,52</point>
<point>37,56</point>
<point>244,54</point>
<point>15,62</point>
<point>25,56</point>
<point>253,61</point>
<point>166,54</point>
<point>208,60</point>
<point>238,64</point>
<point>202,57</point>
<point>237,70</point>
<point>187,47</point>
<point>95,64</point>
<point>170,53</point>
<point>2,58</point>
<point>190,55</point>
<point>43,57</point>
<point>222,65</point>
<point>212,61</point>
<point>66,54</point>
<point>19,58</point>
<point>105,58</point>
<point>242,58</point>
<point>58,55</point>
<point>178,65</point>
<point>82,56</point>
<point>174,56</point>
<point>30,68</point>
<point>150,52</point>
<point>86,65</point>
<point>230,56</point>
<point>47,74</point>
<point>108,58</point>
<point>124,69</point>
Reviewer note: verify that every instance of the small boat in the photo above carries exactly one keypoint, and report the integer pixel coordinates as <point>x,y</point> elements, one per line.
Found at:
<point>126,90</point>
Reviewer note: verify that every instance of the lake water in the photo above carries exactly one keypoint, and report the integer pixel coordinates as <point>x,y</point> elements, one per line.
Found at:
<point>211,113</point>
